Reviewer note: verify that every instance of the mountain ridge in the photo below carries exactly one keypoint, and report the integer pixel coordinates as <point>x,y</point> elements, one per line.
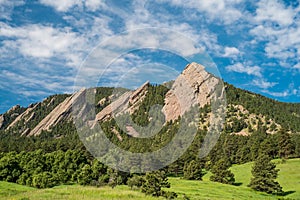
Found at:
<point>190,85</point>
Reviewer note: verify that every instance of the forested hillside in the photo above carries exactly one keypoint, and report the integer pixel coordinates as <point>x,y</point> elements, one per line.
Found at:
<point>254,125</point>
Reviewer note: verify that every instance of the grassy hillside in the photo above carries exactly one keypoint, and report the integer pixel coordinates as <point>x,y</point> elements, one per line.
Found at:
<point>289,178</point>
<point>11,191</point>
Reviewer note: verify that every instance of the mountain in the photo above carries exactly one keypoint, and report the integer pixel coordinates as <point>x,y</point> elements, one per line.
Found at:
<point>193,86</point>
<point>174,127</point>
<point>52,119</point>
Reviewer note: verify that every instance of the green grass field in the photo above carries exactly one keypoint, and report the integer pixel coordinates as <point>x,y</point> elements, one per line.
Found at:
<point>289,178</point>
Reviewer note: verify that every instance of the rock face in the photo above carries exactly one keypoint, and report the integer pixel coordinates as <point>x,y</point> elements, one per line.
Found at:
<point>59,113</point>
<point>119,105</point>
<point>127,102</point>
<point>1,120</point>
<point>193,86</point>
<point>137,96</point>
<point>24,115</point>
<point>13,109</point>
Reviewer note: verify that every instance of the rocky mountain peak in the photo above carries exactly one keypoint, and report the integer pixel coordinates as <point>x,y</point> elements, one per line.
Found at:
<point>193,86</point>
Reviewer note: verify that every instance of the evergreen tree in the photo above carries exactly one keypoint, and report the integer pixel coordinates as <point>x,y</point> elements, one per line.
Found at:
<point>193,170</point>
<point>264,174</point>
<point>136,181</point>
<point>221,172</point>
<point>154,182</point>
<point>286,147</point>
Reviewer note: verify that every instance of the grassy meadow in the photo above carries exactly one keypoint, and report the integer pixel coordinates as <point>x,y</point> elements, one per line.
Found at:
<point>289,178</point>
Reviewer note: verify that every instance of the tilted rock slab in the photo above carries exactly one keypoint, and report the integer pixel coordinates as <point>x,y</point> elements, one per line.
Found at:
<point>23,115</point>
<point>127,102</point>
<point>193,86</point>
<point>59,113</point>
<point>1,120</point>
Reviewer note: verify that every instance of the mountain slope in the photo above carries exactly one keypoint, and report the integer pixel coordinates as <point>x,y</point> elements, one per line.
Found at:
<point>246,111</point>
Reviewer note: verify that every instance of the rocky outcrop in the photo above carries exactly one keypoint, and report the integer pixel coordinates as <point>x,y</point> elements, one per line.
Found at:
<point>138,96</point>
<point>13,109</point>
<point>131,131</point>
<point>1,121</point>
<point>127,102</point>
<point>102,102</point>
<point>193,86</point>
<point>117,134</point>
<point>117,106</point>
<point>58,114</point>
<point>26,132</point>
<point>25,115</point>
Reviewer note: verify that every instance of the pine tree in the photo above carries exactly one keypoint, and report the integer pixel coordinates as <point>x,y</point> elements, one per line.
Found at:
<point>193,170</point>
<point>221,172</point>
<point>136,181</point>
<point>154,182</point>
<point>285,144</point>
<point>264,174</point>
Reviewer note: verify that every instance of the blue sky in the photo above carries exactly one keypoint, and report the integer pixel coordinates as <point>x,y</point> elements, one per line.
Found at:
<point>47,46</point>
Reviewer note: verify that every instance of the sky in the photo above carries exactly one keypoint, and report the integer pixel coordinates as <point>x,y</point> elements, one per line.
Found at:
<point>49,47</point>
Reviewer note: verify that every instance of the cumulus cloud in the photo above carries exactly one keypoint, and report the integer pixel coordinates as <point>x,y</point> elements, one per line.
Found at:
<point>141,17</point>
<point>61,5</point>
<point>7,6</point>
<point>221,10</point>
<point>231,52</point>
<point>275,11</point>
<point>277,28</point>
<point>43,42</point>
<point>66,5</point>
<point>240,68</point>
<point>93,5</point>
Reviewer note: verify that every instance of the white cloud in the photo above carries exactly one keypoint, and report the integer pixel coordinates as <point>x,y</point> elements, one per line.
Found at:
<point>7,6</point>
<point>110,50</point>
<point>222,10</point>
<point>263,84</point>
<point>34,83</point>
<point>275,11</point>
<point>277,94</point>
<point>61,6</point>
<point>281,42</point>
<point>141,17</point>
<point>93,5</point>
<point>231,52</point>
<point>66,5</point>
<point>240,68</point>
<point>43,42</point>
<point>157,38</point>
<point>297,66</point>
